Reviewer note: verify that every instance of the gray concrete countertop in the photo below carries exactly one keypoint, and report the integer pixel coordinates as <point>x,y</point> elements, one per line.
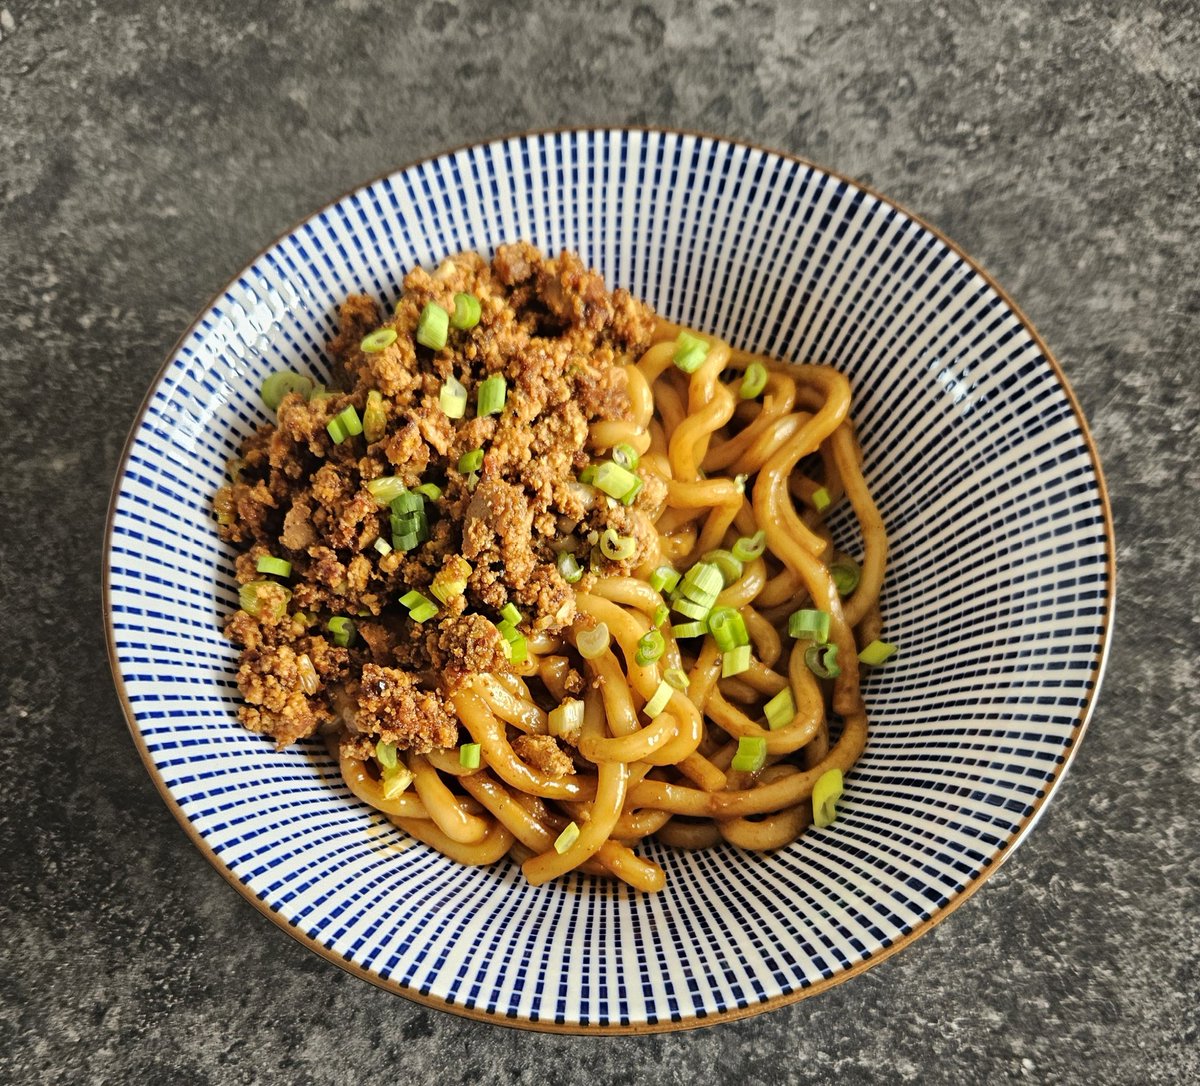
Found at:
<point>147,151</point>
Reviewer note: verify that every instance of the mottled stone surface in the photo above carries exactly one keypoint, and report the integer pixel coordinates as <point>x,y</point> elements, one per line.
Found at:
<point>147,151</point>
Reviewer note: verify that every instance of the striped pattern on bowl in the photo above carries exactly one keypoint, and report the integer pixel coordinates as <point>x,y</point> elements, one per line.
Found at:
<point>999,590</point>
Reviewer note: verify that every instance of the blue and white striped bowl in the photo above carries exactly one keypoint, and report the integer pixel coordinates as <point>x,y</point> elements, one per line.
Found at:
<point>999,590</point>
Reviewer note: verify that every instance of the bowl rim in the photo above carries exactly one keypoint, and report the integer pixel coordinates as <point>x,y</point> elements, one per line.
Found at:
<point>693,1021</point>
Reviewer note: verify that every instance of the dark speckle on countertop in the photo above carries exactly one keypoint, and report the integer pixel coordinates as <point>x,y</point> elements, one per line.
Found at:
<point>150,150</point>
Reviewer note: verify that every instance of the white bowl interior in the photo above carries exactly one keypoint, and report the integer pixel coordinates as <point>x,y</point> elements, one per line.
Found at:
<point>998,591</point>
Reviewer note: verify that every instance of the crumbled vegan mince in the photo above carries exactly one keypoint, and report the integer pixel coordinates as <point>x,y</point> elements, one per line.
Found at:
<point>561,340</point>
<point>544,754</point>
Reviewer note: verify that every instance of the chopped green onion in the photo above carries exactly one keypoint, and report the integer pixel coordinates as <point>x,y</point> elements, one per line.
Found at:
<point>846,574</point>
<point>467,311</point>
<point>409,518</point>
<point>822,661</point>
<point>677,678</point>
<point>690,352</point>
<point>433,326</point>
<point>346,424</point>
<point>728,628</point>
<point>407,501</point>
<point>661,614</point>
<point>280,567</point>
<point>659,699</point>
<point>566,720</point>
<point>396,781</point>
<point>729,565</point>
<point>751,754</point>
<point>452,399</point>
<point>781,709</point>
<point>689,629</point>
<point>336,430</point>
<point>510,613</point>
<point>383,546</point>
<point>397,770</point>
<point>450,581</point>
<point>630,496</point>
<point>468,755</point>
<point>821,499</point>
<point>518,650</point>
<point>567,838</point>
<point>702,583</point>
<point>416,599</point>
<point>320,392</point>
<point>826,792</point>
<point>249,602</point>
<point>350,421</point>
<point>754,380</point>
<point>692,609</point>
<point>617,547</point>
<point>664,579</point>
<point>343,630</point>
<point>420,607</point>
<point>615,480</point>
<point>594,642</point>
<point>385,489</point>
<point>588,475</point>
<point>651,646</point>
<point>406,524</point>
<point>569,567</point>
<point>813,625</point>
<point>374,418</point>
<point>385,754</point>
<point>378,340</point>
<point>279,384</point>
<point>470,461</point>
<point>876,653</point>
<point>748,548</point>
<point>491,396</point>
<point>735,661</point>
<point>403,525</point>
<point>429,490</point>
<point>418,525</point>
<point>626,456</point>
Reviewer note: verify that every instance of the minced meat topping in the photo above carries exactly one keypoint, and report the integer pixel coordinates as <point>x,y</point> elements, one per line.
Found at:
<point>560,340</point>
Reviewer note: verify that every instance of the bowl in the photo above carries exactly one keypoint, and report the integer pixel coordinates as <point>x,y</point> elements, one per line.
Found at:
<point>999,588</point>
